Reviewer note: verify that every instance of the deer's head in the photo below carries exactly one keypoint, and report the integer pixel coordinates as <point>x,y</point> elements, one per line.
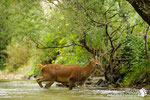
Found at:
<point>96,63</point>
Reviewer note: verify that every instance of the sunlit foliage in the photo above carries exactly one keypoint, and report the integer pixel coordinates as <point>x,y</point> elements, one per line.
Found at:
<point>67,32</point>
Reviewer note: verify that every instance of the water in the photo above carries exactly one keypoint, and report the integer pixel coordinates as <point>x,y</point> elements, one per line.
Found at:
<point>29,90</point>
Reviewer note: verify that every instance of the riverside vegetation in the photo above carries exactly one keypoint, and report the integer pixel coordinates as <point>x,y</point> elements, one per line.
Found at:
<point>68,32</point>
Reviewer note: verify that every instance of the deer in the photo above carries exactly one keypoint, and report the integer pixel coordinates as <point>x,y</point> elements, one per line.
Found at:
<point>72,74</point>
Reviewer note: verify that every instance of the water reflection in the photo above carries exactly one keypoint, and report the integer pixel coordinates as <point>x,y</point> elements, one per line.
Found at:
<point>27,90</point>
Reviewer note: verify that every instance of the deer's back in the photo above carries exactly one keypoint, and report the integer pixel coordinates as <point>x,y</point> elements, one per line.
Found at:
<point>61,73</point>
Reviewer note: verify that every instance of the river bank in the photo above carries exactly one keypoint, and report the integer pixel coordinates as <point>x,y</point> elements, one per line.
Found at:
<point>12,76</point>
<point>18,75</point>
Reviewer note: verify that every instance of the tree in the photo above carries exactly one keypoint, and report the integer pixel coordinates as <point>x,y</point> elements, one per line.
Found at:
<point>143,8</point>
<point>67,32</point>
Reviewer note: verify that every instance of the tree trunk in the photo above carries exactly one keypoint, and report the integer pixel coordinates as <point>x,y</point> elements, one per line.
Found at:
<point>142,7</point>
<point>146,44</point>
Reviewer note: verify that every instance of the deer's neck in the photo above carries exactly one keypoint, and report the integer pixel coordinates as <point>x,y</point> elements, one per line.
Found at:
<point>89,69</point>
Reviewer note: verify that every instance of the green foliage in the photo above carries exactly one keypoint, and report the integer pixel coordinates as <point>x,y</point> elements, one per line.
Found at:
<point>133,48</point>
<point>18,54</point>
<point>34,70</point>
<point>73,55</point>
<point>136,74</point>
<point>26,27</point>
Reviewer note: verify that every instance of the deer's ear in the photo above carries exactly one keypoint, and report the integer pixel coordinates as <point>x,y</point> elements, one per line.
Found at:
<point>92,59</point>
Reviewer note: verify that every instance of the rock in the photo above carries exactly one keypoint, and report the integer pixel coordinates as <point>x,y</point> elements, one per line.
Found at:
<point>99,82</point>
<point>62,85</point>
<point>102,83</point>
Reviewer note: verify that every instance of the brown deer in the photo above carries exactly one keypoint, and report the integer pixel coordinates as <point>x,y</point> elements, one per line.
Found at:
<point>72,74</point>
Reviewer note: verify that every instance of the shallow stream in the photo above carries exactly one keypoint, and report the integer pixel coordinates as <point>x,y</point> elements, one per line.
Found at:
<point>29,90</point>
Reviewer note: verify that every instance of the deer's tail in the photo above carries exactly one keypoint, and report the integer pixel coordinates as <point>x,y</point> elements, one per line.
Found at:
<point>41,65</point>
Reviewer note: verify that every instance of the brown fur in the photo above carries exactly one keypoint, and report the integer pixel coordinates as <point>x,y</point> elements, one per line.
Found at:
<point>41,65</point>
<point>72,74</point>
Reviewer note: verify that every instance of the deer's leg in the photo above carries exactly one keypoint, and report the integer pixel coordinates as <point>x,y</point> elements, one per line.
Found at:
<point>71,83</point>
<point>40,80</point>
<point>48,84</point>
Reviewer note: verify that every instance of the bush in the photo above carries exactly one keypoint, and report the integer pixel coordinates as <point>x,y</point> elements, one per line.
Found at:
<point>18,54</point>
<point>137,70</point>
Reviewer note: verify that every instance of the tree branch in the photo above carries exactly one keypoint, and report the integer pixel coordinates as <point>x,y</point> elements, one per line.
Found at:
<point>54,46</point>
<point>132,26</point>
<point>110,39</point>
<point>113,15</point>
<point>146,44</point>
<point>89,16</point>
<point>73,44</point>
<point>116,30</point>
<point>84,44</point>
<point>122,59</point>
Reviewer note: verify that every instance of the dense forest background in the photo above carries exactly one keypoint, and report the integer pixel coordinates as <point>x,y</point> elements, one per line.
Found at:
<point>69,31</point>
